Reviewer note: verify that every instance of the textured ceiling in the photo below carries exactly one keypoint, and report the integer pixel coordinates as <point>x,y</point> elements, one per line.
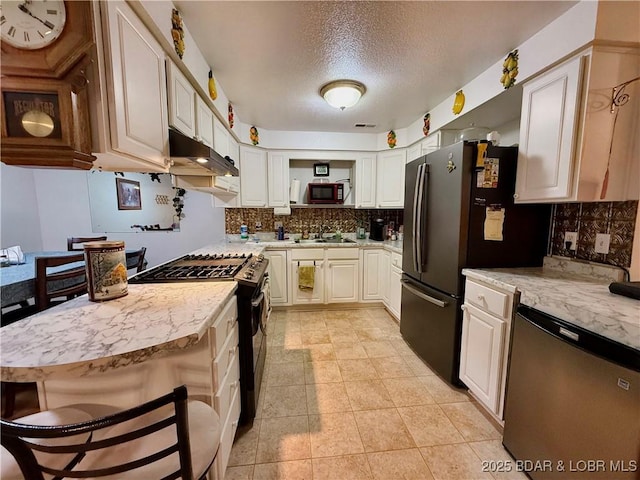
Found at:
<point>271,58</point>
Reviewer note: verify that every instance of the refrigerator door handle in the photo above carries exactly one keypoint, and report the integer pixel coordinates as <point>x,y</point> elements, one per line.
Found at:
<point>418,195</point>
<point>423,296</point>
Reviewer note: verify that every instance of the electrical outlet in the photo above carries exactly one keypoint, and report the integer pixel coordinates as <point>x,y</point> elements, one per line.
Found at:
<point>571,239</point>
<point>258,225</point>
<point>602,242</point>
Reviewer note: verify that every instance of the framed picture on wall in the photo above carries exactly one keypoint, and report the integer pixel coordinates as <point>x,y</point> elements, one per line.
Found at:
<point>128,194</point>
<point>320,169</point>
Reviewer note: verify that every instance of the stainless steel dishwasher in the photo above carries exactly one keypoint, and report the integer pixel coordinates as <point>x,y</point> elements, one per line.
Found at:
<point>572,403</point>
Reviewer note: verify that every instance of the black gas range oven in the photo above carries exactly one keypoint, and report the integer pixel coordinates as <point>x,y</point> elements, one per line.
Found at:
<point>253,308</point>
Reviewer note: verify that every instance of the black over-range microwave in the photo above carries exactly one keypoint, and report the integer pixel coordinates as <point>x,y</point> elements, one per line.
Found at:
<point>325,193</point>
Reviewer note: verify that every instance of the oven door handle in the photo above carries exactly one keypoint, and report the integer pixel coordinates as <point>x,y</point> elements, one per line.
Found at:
<point>258,300</point>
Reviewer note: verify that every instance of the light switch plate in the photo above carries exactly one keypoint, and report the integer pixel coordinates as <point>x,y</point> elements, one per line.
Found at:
<point>572,239</point>
<point>602,242</point>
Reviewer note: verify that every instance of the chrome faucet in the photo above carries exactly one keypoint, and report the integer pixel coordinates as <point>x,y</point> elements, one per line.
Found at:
<point>323,229</point>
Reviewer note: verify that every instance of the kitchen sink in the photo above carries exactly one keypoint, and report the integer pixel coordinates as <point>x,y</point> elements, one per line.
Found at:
<point>334,240</point>
<point>326,240</point>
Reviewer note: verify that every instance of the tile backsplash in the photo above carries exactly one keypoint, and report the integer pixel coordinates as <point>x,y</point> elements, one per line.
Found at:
<point>344,219</point>
<point>588,219</point>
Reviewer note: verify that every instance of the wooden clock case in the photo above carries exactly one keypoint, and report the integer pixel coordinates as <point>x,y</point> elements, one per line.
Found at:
<point>57,72</point>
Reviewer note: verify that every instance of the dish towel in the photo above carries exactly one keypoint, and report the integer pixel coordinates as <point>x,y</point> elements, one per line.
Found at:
<point>306,277</point>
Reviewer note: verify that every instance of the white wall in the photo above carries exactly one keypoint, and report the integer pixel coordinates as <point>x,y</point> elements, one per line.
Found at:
<point>509,133</point>
<point>51,205</point>
<point>20,221</point>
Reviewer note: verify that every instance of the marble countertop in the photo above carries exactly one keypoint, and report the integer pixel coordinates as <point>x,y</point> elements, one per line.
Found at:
<point>80,337</point>
<point>583,300</point>
<point>268,242</point>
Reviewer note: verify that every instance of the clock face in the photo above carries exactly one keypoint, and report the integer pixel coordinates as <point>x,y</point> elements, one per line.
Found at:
<point>31,24</point>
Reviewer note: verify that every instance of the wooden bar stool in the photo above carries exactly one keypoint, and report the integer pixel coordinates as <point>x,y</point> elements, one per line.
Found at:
<point>169,437</point>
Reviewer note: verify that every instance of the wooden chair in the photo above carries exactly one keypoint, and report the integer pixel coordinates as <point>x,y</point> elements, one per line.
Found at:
<point>55,288</point>
<point>136,259</point>
<point>51,289</point>
<point>71,242</point>
<point>165,438</point>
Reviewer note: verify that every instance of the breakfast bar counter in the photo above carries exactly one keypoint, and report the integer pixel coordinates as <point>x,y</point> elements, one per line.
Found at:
<point>81,338</point>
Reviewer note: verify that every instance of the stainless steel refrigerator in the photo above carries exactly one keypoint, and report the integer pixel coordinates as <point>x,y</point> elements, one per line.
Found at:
<point>459,213</point>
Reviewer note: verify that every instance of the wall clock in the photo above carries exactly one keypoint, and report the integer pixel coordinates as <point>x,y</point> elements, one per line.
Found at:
<point>32,25</point>
<point>67,36</point>
<point>46,48</point>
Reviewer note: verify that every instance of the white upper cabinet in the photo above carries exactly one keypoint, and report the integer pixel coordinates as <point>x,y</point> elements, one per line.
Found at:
<point>366,181</point>
<point>390,184</point>
<point>549,111</point>
<point>204,122</point>
<point>129,104</point>
<point>436,141</point>
<point>253,177</point>
<point>414,152</point>
<point>572,146</point>
<point>220,138</point>
<point>182,108</point>
<point>278,179</point>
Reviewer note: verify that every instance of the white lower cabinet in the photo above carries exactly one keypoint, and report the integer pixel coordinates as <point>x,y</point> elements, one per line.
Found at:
<point>342,275</point>
<point>385,272</point>
<point>336,275</point>
<point>278,264</point>
<point>372,281</point>
<point>486,324</point>
<point>300,258</point>
<point>395,285</point>
<point>481,352</point>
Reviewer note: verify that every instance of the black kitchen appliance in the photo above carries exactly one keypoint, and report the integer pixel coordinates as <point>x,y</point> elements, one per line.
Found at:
<point>459,213</point>
<point>253,308</point>
<point>377,229</point>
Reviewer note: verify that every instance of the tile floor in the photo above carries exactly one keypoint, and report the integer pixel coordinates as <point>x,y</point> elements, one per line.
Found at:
<point>344,397</point>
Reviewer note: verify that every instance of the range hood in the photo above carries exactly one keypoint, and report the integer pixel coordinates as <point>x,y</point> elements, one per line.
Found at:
<point>190,157</point>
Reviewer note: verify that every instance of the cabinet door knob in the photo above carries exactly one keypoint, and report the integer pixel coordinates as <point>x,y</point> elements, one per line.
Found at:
<point>463,308</point>
<point>515,195</point>
<point>480,296</point>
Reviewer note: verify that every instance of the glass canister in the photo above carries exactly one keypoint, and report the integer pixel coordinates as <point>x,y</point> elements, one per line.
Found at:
<point>106,267</point>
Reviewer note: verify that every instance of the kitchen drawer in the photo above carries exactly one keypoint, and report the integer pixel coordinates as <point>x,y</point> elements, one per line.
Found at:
<point>227,435</point>
<point>487,299</point>
<point>343,253</point>
<point>226,390</point>
<point>223,326</point>
<point>396,260</point>
<point>225,357</point>
<point>307,254</point>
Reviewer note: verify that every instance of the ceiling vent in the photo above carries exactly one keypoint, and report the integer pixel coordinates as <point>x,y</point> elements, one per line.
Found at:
<point>364,125</point>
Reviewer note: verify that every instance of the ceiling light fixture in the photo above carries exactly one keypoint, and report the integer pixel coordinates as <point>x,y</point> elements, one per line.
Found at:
<point>342,93</point>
